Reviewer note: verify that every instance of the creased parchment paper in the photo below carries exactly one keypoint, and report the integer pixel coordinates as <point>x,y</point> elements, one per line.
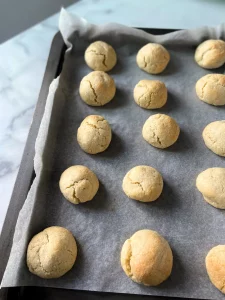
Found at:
<point>191,226</point>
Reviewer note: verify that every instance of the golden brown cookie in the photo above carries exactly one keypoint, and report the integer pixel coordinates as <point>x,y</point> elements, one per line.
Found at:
<point>94,134</point>
<point>150,94</point>
<point>160,131</point>
<point>100,56</point>
<point>210,54</point>
<point>211,89</point>
<point>214,137</point>
<point>52,252</point>
<point>215,266</point>
<point>143,183</point>
<point>146,258</point>
<point>97,88</point>
<point>153,58</point>
<point>78,184</point>
<point>211,183</point>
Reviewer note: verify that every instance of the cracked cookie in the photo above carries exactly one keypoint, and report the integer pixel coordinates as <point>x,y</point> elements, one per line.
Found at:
<point>143,183</point>
<point>214,137</point>
<point>78,184</point>
<point>160,131</point>
<point>100,56</point>
<point>97,88</point>
<point>146,258</point>
<point>211,183</point>
<point>52,252</point>
<point>150,94</point>
<point>153,58</point>
<point>215,266</point>
<point>210,54</point>
<point>94,134</point>
<point>211,89</point>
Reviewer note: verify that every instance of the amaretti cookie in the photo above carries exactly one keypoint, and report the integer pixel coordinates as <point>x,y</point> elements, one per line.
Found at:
<point>100,56</point>
<point>210,54</point>
<point>150,94</point>
<point>146,258</point>
<point>143,183</point>
<point>153,58</point>
<point>94,134</point>
<point>160,131</point>
<point>78,184</point>
<point>52,252</point>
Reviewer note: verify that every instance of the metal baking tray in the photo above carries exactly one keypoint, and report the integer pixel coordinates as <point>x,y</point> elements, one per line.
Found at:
<point>22,185</point>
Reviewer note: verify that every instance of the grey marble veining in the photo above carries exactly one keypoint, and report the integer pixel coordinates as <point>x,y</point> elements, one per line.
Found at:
<point>23,60</point>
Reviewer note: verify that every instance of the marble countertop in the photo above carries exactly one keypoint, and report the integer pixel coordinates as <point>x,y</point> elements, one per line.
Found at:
<point>23,60</point>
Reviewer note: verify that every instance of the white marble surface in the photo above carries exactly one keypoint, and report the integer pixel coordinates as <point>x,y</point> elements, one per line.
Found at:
<point>23,60</point>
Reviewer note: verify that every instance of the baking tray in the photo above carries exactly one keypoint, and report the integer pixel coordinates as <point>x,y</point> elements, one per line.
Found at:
<point>22,185</point>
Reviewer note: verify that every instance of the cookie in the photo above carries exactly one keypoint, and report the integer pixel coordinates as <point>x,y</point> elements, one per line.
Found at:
<point>143,183</point>
<point>97,88</point>
<point>160,131</point>
<point>214,137</point>
<point>52,252</point>
<point>150,94</point>
<point>146,258</point>
<point>210,54</point>
<point>153,58</point>
<point>78,184</point>
<point>215,266</point>
<point>211,183</point>
<point>100,56</point>
<point>211,89</point>
<point>94,134</point>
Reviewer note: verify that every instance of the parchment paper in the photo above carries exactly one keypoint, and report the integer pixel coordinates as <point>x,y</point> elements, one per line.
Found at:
<point>191,226</point>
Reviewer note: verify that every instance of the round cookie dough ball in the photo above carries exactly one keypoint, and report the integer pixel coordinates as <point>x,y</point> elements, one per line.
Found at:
<point>214,137</point>
<point>211,183</point>
<point>97,88</point>
<point>160,131</point>
<point>210,54</point>
<point>52,252</point>
<point>211,89</point>
<point>94,134</point>
<point>150,94</point>
<point>146,258</point>
<point>100,56</point>
<point>153,58</point>
<point>78,184</point>
<point>215,266</point>
<point>143,183</point>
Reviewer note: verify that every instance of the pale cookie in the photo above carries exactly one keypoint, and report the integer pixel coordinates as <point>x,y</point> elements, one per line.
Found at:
<point>210,54</point>
<point>150,94</point>
<point>211,183</point>
<point>211,89</point>
<point>52,252</point>
<point>160,131</point>
<point>153,58</point>
<point>94,134</point>
<point>143,183</point>
<point>97,88</point>
<point>100,56</point>
<point>146,258</point>
<point>214,137</point>
<point>215,266</point>
<point>78,184</point>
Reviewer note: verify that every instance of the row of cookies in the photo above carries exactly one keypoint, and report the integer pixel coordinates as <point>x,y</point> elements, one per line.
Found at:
<point>146,257</point>
<point>79,184</point>
<point>154,58</point>
<point>98,88</point>
<point>94,134</point>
